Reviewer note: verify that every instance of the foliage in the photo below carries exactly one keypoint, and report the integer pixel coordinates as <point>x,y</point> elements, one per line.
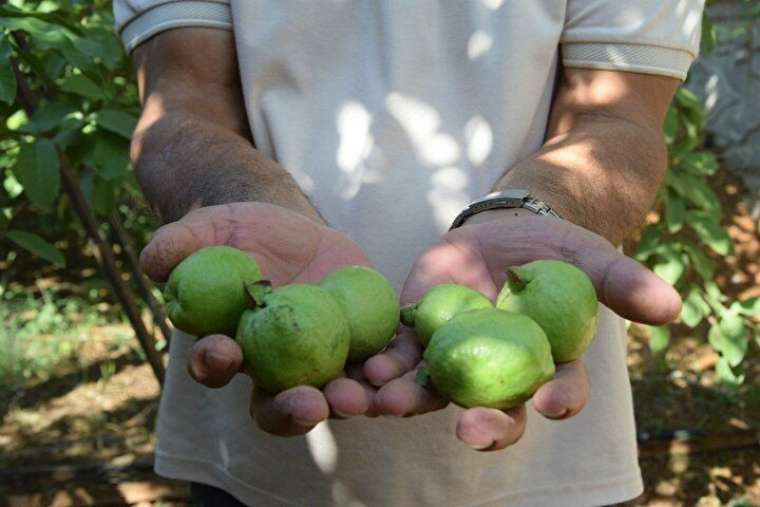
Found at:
<point>66,87</point>
<point>681,244</point>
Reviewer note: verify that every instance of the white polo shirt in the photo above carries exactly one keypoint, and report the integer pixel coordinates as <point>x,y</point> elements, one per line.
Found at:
<point>392,116</point>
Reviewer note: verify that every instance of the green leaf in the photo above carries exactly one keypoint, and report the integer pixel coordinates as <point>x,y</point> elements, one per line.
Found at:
<point>700,261</point>
<point>103,45</point>
<point>729,338</point>
<point>694,308</point>
<point>659,338</point>
<point>709,35</point>
<point>107,148</point>
<point>694,189</point>
<point>103,195</point>
<point>118,122</point>
<point>43,34</point>
<point>715,297</point>
<point>114,169</point>
<point>670,126</point>
<point>711,232</point>
<point>700,163</point>
<point>671,265</point>
<point>649,243</point>
<point>675,213</point>
<point>749,307</point>
<point>82,85</point>
<point>7,77</point>
<point>688,100</point>
<point>37,171</point>
<point>727,374</point>
<point>36,245</point>
<point>757,335</point>
<point>47,117</point>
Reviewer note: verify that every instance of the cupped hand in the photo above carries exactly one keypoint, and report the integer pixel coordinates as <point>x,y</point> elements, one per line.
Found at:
<point>477,255</point>
<point>289,248</point>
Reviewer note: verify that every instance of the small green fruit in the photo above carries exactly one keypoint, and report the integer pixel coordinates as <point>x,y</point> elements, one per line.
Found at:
<point>489,358</point>
<point>560,298</point>
<point>438,305</point>
<point>296,335</point>
<point>205,293</point>
<point>370,304</point>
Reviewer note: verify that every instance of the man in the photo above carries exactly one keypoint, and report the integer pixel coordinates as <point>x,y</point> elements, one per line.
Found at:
<point>319,134</point>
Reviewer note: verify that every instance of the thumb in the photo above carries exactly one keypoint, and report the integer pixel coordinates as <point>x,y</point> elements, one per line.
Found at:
<point>622,284</point>
<point>173,242</point>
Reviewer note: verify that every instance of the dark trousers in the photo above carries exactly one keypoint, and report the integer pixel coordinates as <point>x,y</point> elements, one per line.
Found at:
<point>208,496</point>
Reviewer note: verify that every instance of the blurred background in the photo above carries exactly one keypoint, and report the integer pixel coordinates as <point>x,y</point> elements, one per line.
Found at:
<point>83,335</point>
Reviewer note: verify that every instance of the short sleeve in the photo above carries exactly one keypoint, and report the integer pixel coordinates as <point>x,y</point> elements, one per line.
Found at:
<point>649,36</point>
<point>138,20</point>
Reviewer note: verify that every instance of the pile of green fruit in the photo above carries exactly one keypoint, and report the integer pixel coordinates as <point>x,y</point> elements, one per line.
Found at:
<point>298,334</point>
<point>478,354</point>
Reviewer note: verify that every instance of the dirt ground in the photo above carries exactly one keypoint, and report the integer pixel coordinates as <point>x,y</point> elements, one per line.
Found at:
<point>85,436</point>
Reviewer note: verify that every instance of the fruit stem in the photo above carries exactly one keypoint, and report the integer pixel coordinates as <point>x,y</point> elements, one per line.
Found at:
<point>516,282</point>
<point>255,293</point>
<point>408,315</point>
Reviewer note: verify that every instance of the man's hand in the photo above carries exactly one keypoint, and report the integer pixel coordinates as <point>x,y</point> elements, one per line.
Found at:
<point>477,255</point>
<point>290,248</point>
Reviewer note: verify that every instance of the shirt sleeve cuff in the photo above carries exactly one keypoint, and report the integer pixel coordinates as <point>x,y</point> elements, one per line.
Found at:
<point>643,58</point>
<point>208,14</point>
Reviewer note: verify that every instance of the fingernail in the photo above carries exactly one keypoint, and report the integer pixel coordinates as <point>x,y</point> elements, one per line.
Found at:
<point>480,447</point>
<point>561,415</point>
<point>304,422</point>
<point>217,361</point>
<point>340,414</point>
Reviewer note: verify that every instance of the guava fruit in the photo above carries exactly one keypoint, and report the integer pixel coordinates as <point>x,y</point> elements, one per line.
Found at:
<point>438,305</point>
<point>488,358</point>
<point>560,298</point>
<point>370,304</point>
<point>295,335</point>
<point>205,293</point>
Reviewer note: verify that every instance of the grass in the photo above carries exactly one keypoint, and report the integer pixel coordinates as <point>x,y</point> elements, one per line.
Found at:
<point>40,332</point>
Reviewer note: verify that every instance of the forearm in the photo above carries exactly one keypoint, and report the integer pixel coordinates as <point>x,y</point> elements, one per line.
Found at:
<point>603,174</point>
<point>183,162</point>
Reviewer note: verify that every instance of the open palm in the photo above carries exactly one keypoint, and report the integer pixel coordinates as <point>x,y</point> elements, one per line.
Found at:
<point>477,255</point>
<point>290,248</point>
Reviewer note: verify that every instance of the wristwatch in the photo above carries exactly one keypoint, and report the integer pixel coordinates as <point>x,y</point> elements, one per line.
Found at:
<point>501,200</point>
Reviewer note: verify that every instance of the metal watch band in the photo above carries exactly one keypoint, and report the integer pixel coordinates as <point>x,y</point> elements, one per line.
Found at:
<point>509,199</point>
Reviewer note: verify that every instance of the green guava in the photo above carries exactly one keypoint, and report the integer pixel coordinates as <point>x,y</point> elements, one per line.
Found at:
<point>295,335</point>
<point>560,298</point>
<point>438,305</point>
<point>205,293</point>
<point>488,358</point>
<point>370,304</point>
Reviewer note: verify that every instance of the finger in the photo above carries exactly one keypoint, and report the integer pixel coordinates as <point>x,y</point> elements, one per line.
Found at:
<point>404,397</point>
<point>289,413</point>
<point>173,242</point>
<point>401,356</point>
<point>355,371</point>
<point>347,397</point>
<point>566,394</point>
<point>489,429</point>
<point>214,360</point>
<point>628,288</point>
<point>622,284</point>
